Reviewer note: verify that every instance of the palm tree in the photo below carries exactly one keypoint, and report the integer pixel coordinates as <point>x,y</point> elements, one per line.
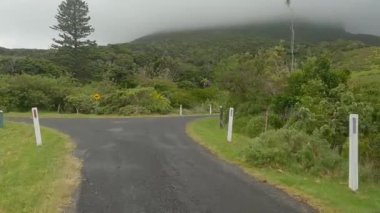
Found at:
<point>288,3</point>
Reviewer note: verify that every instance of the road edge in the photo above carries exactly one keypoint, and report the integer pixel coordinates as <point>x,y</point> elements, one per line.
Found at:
<point>71,176</point>
<point>293,193</point>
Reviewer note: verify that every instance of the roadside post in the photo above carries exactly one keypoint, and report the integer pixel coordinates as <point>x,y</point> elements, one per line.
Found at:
<point>230,125</point>
<point>210,109</point>
<point>180,110</point>
<point>37,129</point>
<point>1,119</point>
<point>353,179</point>
<point>221,123</point>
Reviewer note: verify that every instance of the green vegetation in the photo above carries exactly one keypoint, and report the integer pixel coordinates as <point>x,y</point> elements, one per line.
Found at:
<point>364,85</point>
<point>36,179</point>
<point>74,28</point>
<point>297,117</point>
<point>294,150</point>
<point>72,115</point>
<point>307,110</point>
<point>326,194</point>
<point>182,67</point>
<point>21,92</point>
<point>73,25</point>
<point>363,59</point>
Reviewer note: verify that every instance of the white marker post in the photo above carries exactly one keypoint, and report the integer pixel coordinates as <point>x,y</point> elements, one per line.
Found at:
<point>180,110</point>
<point>353,180</point>
<point>210,109</point>
<point>37,128</point>
<point>1,119</point>
<point>230,125</point>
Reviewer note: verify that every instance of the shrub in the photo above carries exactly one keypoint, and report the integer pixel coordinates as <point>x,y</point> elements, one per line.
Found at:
<point>126,101</point>
<point>22,92</point>
<point>205,94</point>
<point>43,67</point>
<point>250,126</point>
<point>133,110</point>
<point>293,150</point>
<point>182,97</point>
<point>81,102</point>
<point>253,126</point>
<point>158,103</point>
<point>186,85</point>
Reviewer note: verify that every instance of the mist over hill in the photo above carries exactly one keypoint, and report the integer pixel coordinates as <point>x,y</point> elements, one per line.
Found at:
<point>262,34</point>
<point>275,30</point>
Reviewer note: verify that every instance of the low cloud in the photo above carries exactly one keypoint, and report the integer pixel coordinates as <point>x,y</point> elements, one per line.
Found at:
<point>25,23</point>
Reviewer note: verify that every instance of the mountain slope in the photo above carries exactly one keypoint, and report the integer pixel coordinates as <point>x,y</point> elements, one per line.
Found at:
<point>362,59</point>
<point>305,32</point>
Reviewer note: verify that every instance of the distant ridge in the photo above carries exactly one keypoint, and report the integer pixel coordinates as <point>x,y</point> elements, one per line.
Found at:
<point>308,32</point>
<point>22,52</point>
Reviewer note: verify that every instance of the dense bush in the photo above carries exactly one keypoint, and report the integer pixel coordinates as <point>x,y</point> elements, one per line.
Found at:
<point>22,92</point>
<point>13,66</point>
<point>293,150</point>
<point>81,102</point>
<point>132,101</point>
<point>251,126</point>
<point>187,97</point>
<point>182,97</point>
<point>133,110</point>
<point>310,114</point>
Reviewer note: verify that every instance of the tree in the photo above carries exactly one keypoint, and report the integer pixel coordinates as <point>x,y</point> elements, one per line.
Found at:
<point>253,77</point>
<point>73,25</point>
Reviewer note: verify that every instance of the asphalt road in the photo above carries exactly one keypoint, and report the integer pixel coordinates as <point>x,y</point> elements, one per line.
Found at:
<point>151,165</point>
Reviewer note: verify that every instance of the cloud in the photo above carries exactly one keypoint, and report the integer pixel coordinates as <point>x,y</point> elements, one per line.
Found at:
<point>25,23</point>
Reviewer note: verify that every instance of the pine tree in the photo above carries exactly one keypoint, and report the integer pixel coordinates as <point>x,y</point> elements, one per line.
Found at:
<point>74,50</point>
<point>73,25</point>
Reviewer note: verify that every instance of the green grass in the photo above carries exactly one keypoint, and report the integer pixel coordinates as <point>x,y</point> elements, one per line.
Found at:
<point>36,179</point>
<point>366,86</point>
<point>326,195</point>
<point>363,59</point>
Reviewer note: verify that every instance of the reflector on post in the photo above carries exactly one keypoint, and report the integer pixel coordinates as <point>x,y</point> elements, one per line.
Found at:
<point>230,125</point>
<point>353,179</point>
<point>1,119</point>
<point>37,129</point>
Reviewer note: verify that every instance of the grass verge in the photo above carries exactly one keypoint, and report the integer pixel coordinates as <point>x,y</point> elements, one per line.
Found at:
<point>63,115</point>
<point>325,195</point>
<point>36,179</point>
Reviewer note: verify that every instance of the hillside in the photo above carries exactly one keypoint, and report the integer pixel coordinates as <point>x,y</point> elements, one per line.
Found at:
<point>364,84</point>
<point>219,42</point>
<point>210,45</point>
<point>34,53</point>
<point>362,59</point>
<point>306,32</point>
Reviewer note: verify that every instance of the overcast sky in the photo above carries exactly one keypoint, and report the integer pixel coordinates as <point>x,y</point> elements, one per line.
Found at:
<point>25,23</point>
